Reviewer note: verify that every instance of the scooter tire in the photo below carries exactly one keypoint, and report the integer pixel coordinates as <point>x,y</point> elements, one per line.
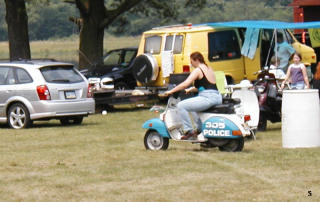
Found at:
<point>234,145</point>
<point>154,141</point>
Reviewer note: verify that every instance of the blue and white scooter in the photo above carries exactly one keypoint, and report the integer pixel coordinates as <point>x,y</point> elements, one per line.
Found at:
<point>223,126</point>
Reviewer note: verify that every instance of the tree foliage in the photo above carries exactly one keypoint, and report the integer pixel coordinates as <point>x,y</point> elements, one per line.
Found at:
<point>212,11</point>
<point>3,25</point>
<point>96,15</point>
<point>49,18</point>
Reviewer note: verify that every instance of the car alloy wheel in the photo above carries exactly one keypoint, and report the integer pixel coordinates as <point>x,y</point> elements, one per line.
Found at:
<point>18,116</point>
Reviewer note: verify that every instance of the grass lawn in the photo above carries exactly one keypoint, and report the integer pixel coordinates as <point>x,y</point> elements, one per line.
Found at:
<point>104,159</point>
<point>67,49</point>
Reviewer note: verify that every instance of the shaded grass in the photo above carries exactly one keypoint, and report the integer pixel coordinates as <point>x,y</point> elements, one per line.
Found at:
<point>104,160</point>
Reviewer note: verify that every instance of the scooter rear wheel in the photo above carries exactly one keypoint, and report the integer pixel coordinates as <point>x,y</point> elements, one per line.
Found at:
<point>154,141</point>
<point>234,145</point>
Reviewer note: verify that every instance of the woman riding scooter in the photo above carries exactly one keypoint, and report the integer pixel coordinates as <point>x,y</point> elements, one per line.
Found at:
<point>208,95</point>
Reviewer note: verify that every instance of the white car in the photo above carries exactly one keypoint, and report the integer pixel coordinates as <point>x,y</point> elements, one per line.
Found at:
<point>42,90</point>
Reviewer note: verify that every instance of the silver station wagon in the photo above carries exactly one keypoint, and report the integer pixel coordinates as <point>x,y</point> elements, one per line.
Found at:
<point>42,90</point>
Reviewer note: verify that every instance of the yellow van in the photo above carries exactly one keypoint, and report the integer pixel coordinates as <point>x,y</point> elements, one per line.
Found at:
<point>164,52</point>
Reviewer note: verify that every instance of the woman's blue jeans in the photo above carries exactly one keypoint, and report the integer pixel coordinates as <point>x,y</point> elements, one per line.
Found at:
<point>204,100</point>
<point>298,85</point>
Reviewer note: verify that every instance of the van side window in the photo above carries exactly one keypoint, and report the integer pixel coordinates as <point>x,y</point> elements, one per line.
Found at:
<point>223,45</point>
<point>286,36</point>
<point>177,44</point>
<point>289,37</point>
<point>152,45</point>
<point>267,36</point>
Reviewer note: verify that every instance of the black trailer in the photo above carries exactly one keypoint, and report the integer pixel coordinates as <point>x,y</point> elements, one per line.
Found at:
<point>121,97</point>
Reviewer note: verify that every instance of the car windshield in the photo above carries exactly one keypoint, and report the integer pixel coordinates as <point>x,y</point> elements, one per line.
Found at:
<point>60,74</point>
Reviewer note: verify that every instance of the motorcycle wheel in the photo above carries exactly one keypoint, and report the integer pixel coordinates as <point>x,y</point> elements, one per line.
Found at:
<point>154,141</point>
<point>234,145</point>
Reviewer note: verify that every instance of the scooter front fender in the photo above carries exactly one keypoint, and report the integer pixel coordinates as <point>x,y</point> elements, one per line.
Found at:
<point>157,125</point>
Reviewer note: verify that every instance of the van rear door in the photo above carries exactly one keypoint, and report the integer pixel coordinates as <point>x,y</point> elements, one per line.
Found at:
<point>175,43</point>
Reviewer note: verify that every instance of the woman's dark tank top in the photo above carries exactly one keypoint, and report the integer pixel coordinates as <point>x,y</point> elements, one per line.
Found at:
<point>204,83</point>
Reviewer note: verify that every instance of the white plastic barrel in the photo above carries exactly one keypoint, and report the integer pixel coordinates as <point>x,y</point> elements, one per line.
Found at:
<point>300,118</point>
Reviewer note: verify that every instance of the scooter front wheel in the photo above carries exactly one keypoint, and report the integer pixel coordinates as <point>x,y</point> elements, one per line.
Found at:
<point>154,141</point>
<point>234,145</point>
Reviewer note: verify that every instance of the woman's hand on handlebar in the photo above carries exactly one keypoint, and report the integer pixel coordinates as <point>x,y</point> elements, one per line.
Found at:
<point>165,94</point>
<point>175,94</point>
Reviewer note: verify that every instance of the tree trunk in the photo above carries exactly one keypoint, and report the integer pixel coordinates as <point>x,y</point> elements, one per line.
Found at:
<point>91,33</point>
<point>17,21</point>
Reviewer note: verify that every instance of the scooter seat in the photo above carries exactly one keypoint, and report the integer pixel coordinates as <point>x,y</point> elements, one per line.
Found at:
<point>227,106</point>
<point>221,109</point>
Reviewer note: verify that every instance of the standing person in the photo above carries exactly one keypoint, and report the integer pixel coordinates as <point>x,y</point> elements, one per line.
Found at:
<point>298,74</point>
<point>274,68</point>
<point>316,79</point>
<point>208,95</point>
<point>283,51</point>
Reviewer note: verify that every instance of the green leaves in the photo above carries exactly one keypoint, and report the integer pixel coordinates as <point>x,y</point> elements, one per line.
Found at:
<point>49,18</point>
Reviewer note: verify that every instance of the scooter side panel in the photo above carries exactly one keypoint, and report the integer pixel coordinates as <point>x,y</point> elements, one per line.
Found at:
<point>219,127</point>
<point>157,125</point>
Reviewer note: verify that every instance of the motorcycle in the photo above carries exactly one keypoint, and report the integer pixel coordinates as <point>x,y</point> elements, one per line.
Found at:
<point>268,91</point>
<point>223,126</point>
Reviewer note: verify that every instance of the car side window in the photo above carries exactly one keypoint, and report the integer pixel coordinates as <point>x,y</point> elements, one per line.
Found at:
<point>223,45</point>
<point>129,55</point>
<point>10,80</point>
<point>152,44</point>
<point>113,58</point>
<point>3,75</point>
<point>23,76</point>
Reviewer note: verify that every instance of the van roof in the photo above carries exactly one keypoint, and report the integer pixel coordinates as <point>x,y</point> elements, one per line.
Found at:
<point>181,28</point>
